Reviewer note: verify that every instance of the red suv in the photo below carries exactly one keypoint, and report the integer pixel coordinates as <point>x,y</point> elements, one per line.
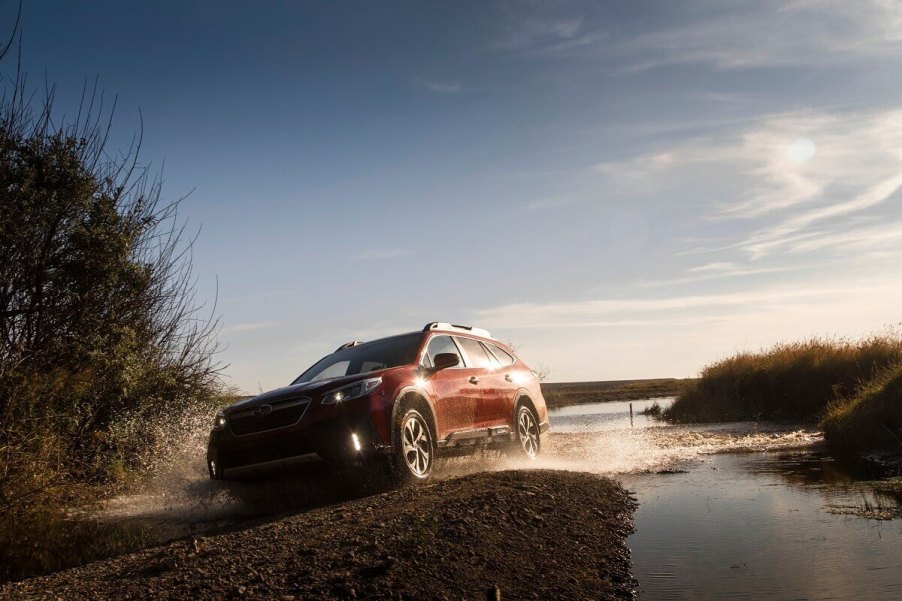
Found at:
<point>445,390</point>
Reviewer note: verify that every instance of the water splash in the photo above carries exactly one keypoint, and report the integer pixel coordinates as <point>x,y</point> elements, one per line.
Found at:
<point>598,441</point>
<point>656,449</point>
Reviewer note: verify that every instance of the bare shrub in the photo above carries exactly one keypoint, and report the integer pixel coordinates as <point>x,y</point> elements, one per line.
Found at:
<point>104,346</point>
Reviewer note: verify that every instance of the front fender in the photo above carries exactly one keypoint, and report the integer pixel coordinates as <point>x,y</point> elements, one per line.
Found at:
<point>420,391</point>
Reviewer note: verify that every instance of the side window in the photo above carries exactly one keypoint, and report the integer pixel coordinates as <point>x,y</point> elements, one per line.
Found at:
<point>493,360</point>
<point>367,366</point>
<point>503,356</point>
<point>441,344</point>
<point>475,353</point>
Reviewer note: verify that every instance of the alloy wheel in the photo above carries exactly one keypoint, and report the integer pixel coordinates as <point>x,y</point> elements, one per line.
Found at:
<point>528,431</point>
<point>417,445</point>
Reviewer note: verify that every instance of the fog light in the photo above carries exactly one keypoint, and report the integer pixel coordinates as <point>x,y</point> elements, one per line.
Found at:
<point>356,442</point>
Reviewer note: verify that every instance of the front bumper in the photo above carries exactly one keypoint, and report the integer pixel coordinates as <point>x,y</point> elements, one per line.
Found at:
<point>345,438</point>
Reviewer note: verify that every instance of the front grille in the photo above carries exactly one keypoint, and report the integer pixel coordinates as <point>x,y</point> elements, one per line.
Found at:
<point>260,419</point>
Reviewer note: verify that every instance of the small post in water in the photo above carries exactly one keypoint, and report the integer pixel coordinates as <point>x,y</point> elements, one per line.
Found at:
<point>631,415</point>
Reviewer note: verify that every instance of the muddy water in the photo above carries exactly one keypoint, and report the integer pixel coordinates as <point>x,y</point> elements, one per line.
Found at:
<point>747,512</point>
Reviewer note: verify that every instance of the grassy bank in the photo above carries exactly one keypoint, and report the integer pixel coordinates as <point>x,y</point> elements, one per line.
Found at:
<point>789,381</point>
<point>576,393</point>
<point>871,420</point>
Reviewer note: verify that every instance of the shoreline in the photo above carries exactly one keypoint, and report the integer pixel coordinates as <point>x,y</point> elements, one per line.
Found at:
<point>567,394</point>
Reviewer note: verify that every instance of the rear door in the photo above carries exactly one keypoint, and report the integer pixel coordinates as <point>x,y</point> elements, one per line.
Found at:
<point>506,380</point>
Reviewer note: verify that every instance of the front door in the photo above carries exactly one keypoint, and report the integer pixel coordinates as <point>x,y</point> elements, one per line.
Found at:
<point>455,393</point>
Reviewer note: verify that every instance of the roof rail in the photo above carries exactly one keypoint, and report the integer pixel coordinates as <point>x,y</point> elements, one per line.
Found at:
<point>442,325</point>
<point>348,345</point>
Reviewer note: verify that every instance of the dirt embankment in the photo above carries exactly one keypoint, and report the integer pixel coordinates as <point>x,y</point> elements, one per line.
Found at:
<point>532,534</point>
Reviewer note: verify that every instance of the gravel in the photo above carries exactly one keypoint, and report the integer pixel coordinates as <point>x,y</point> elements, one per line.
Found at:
<point>536,534</point>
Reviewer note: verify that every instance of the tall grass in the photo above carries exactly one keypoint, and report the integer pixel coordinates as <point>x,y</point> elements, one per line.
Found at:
<point>789,381</point>
<point>871,420</point>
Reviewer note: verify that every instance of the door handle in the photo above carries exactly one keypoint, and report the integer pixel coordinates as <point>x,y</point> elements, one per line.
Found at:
<point>508,377</point>
<point>474,380</point>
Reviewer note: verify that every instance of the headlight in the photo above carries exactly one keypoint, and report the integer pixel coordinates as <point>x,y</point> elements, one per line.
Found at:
<point>351,391</point>
<point>219,422</point>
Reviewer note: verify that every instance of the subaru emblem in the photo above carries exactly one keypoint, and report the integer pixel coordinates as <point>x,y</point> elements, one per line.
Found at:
<point>262,410</point>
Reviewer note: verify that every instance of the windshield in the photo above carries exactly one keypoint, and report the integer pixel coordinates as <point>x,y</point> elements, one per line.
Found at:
<point>363,358</point>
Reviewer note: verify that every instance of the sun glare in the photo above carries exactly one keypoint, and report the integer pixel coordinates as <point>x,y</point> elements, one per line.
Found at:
<point>801,150</point>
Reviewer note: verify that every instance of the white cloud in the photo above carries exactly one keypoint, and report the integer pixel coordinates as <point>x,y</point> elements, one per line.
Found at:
<point>793,179</point>
<point>449,88</point>
<point>373,254</point>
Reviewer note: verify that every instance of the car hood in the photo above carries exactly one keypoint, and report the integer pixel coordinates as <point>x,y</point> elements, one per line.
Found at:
<point>311,389</point>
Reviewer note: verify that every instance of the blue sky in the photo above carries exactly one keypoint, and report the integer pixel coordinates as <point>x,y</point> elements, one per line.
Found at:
<point>621,189</point>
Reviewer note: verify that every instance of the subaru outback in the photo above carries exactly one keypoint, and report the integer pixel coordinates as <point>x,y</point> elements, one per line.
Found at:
<point>401,401</point>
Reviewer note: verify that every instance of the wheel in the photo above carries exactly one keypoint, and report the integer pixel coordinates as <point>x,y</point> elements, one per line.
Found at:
<point>415,452</point>
<point>528,441</point>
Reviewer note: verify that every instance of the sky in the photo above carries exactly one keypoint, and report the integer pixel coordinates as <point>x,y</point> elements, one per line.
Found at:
<point>620,189</point>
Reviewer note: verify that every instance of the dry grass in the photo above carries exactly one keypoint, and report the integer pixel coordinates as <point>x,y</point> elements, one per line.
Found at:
<point>563,394</point>
<point>789,381</point>
<point>871,420</point>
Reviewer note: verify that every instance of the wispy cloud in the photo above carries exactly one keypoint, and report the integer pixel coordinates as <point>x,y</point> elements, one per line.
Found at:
<point>703,274</point>
<point>776,33</point>
<point>448,88</point>
<point>793,179</point>
<point>713,267</point>
<point>374,254</point>
<point>886,237</point>
<point>534,31</point>
<point>616,312</point>
<point>736,35</point>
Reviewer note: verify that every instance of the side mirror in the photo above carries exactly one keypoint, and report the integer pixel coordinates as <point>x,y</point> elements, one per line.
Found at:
<point>445,360</point>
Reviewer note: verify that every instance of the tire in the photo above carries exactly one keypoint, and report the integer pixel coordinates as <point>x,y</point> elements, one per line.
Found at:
<point>526,425</point>
<point>414,455</point>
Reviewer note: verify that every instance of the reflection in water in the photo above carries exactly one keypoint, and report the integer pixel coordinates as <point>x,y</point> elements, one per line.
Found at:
<point>762,523</point>
<point>736,527</point>
<point>613,415</point>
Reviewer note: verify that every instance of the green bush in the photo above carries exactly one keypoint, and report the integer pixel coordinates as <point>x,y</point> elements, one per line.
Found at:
<point>103,348</point>
<point>790,381</point>
<point>871,420</point>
